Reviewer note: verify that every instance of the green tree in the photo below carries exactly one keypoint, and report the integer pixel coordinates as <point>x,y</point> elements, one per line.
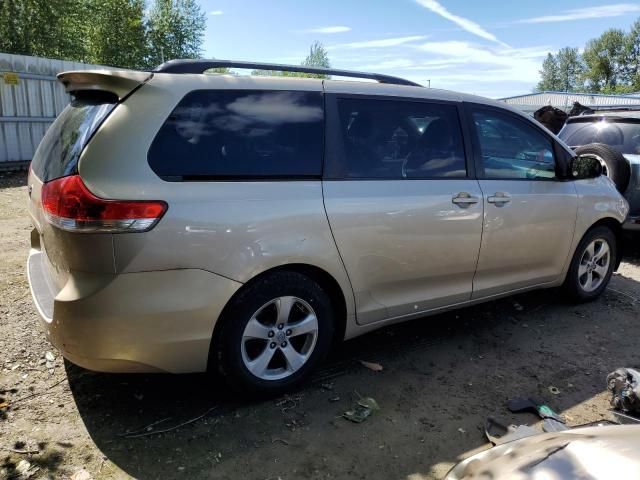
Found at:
<point>570,69</point>
<point>175,30</point>
<point>317,57</point>
<point>117,34</point>
<point>550,75</point>
<point>632,57</point>
<point>47,28</point>
<point>604,61</point>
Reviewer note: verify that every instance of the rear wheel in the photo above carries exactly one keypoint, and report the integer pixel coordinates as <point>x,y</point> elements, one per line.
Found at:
<point>274,333</point>
<point>592,265</point>
<point>614,165</point>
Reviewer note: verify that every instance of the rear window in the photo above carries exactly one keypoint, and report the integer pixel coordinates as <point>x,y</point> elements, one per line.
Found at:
<point>623,135</point>
<point>59,151</point>
<point>232,134</point>
<point>400,139</point>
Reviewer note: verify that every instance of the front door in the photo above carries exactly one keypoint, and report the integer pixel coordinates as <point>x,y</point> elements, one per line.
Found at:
<point>529,214</point>
<point>405,214</point>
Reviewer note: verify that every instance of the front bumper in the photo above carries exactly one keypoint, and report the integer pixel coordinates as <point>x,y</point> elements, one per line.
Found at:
<point>632,224</point>
<point>135,322</point>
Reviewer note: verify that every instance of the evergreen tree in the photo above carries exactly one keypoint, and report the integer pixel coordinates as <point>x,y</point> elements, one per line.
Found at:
<point>175,30</point>
<point>570,69</point>
<point>117,34</point>
<point>550,75</point>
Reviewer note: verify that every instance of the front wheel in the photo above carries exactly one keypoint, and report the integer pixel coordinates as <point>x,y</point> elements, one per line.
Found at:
<point>274,333</point>
<point>592,265</point>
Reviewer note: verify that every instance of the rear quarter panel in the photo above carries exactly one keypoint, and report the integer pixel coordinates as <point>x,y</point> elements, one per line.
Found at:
<point>234,229</point>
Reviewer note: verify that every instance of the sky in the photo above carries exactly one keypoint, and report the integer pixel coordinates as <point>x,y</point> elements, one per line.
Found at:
<point>493,48</point>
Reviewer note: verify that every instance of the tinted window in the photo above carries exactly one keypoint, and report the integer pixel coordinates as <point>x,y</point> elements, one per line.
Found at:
<point>511,148</point>
<point>624,136</point>
<point>399,139</point>
<point>241,134</point>
<point>59,151</point>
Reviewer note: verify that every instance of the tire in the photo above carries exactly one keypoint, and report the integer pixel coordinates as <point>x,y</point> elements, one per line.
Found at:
<point>234,351</point>
<point>616,167</point>
<point>581,267</point>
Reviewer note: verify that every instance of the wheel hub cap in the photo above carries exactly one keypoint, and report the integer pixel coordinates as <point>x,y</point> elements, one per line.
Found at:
<point>594,265</point>
<point>279,338</point>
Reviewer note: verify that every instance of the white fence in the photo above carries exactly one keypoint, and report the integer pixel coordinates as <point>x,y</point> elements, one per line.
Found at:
<point>30,99</point>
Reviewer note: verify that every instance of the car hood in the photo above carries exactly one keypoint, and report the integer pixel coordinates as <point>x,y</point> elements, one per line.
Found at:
<point>594,453</point>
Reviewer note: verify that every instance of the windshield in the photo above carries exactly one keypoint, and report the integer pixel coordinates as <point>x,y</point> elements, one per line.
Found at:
<point>623,135</point>
<point>59,151</point>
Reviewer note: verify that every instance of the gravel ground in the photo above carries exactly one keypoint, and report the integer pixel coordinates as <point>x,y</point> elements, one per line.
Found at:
<point>442,377</point>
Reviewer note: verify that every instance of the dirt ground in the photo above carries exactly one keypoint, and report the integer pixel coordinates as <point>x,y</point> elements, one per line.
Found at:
<point>442,377</point>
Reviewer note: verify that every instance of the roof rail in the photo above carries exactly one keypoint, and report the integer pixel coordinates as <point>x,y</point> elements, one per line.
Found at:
<point>200,66</point>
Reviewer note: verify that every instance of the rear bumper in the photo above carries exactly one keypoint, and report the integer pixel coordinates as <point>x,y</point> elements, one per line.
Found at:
<point>135,322</point>
<point>632,224</point>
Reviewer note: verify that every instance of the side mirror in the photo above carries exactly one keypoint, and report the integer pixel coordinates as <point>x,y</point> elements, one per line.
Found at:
<point>585,166</point>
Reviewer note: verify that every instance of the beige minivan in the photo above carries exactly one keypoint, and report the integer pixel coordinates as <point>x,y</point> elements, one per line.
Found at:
<point>186,222</point>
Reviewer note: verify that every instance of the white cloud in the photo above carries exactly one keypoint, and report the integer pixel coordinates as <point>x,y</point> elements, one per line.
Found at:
<point>603,11</point>
<point>330,29</point>
<point>464,23</point>
<point>392,64</point>
<point>216,13</point>
<point>381,43</point>
<point>483,64</point>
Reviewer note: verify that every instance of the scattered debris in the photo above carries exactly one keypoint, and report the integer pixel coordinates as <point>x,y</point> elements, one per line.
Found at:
<point>361,410</point>
<point>326,386</point>
<point>218,457</point>
<point>624,385</point>
<point>462,430</point>
<point>50,357</point>
<point>499,433</point>
<point>24,452</point>
<point>44,392</point>
<point>553,425</point>
<point>518,307</point>
<point>624,419</point>
<point>289,402</point>
<point>25,470</point>
<point>522,404</point>
<point>554,390</point>
<point>376,367</point>
<point>153,432</point>
<point>635,300</point>
<point>81,474</point>
<point>148,428</point>
<point>334,399</point>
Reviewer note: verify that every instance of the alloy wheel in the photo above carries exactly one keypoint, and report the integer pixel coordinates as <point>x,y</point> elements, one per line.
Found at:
<point>594,265</point>
<point>279,338</point>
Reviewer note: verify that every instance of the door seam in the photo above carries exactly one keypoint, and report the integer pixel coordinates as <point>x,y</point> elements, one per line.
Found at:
<point>344,266</point>
<point>475,272</point>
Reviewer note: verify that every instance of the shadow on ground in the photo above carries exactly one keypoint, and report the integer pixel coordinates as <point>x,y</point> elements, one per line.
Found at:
<point>442,377</point>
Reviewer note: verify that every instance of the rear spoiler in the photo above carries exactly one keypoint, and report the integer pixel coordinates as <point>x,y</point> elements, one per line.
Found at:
<point>118,82</point>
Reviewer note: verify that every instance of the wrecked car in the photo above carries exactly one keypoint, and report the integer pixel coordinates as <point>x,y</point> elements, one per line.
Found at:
<point>612,138</point>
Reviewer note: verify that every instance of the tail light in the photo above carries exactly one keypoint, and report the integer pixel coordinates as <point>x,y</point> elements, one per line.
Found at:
<point>69,205</point>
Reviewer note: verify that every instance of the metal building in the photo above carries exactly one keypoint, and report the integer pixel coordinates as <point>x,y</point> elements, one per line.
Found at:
<point>30,99</point>
<point>564,101</point>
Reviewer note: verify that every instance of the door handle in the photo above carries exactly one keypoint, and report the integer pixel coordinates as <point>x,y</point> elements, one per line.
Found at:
<point>463,199</point>
<point>499,199</point>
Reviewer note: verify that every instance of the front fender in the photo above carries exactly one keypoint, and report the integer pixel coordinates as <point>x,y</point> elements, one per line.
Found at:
<point>598,199</point>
